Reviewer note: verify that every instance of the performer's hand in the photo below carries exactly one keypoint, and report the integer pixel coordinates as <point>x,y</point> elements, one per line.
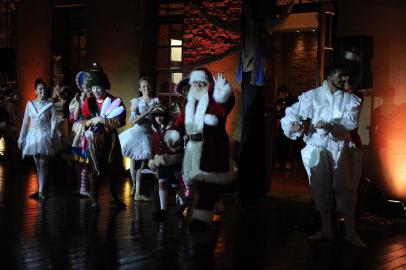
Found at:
<point>20,145</point>
<point>97,120</point>
<point>220,82</point>
<point>133,107</point>
<point>90,122</point>
<point>321,124</point>
<point>296,127</point>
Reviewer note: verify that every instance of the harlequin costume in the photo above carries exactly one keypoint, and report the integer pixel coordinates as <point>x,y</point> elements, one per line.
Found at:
<point>79,149</point>
<point>102,139</point>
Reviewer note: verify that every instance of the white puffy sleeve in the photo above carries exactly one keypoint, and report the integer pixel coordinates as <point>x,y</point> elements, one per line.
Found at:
<point>340,127</point>
<point>25,125</point>
<point>301,110</point>
<point>133,115</point>
<point>351,114</point>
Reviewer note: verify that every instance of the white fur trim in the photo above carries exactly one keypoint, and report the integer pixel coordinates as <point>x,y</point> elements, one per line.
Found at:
<point>173,140</point>
<point>222,93</point>
<point>191,160</point>
<point>210,119</point>
<point>191,167</point>
<point>198,75</point>
<point>171,136</point>
<point>203,215</point>
<point>194,119</point>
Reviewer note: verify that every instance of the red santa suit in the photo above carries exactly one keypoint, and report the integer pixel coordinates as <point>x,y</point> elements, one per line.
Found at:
<point>206,157</point>
<point>204,120</point>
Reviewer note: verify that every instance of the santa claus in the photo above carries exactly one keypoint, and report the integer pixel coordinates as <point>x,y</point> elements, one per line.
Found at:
<point>206,158</point>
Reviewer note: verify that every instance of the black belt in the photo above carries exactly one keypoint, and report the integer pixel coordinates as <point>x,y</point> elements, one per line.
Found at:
<point>197,137</point>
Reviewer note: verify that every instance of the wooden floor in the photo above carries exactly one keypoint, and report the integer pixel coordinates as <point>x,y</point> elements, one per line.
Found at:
<point>62,233</point>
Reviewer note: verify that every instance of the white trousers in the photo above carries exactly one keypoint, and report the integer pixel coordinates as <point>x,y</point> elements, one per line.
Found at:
<point>328,182</point>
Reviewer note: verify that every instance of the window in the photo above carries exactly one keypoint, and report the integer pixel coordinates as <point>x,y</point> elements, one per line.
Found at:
<point>168,9</point>
<point>169,54</point>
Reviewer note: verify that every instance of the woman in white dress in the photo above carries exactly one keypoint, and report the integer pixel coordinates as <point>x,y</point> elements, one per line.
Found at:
<point>38,136</point>
<point>136,141</point>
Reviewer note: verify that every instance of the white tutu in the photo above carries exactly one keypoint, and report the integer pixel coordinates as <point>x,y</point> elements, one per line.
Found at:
<point>136,142</point>
<point>38,142</point>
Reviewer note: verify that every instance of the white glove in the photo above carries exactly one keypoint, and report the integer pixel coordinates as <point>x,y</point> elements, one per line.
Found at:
<point>220,82</point>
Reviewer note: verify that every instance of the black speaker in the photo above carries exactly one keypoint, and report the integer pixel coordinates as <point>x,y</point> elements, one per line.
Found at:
<point>357,51</point>
<point>8,62</point>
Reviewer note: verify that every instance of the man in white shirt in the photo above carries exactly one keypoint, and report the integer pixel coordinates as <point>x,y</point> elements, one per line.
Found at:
<point>331,115</point>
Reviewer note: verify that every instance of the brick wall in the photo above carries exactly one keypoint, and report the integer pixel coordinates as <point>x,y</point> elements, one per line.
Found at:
<point>212,30</point>
<point>295,59</point>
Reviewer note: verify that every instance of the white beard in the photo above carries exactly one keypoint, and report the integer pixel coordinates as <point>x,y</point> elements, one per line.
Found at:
<point>198,92</point>
<point>195,110</point>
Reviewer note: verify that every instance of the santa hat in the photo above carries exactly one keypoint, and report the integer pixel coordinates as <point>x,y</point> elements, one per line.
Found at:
<point>81,78</point>
<point>202,75</point>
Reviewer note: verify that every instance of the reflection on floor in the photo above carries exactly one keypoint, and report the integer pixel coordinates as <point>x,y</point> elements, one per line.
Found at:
<point>62,233</point>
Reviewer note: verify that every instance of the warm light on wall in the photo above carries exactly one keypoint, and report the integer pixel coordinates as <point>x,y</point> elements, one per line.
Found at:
<point>2,146</point>
<point>393,156</point>
<point>388,168</point>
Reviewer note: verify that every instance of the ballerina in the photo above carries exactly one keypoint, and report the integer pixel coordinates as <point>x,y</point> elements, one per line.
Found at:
<point>136,141</point>
<point>38,135</point>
